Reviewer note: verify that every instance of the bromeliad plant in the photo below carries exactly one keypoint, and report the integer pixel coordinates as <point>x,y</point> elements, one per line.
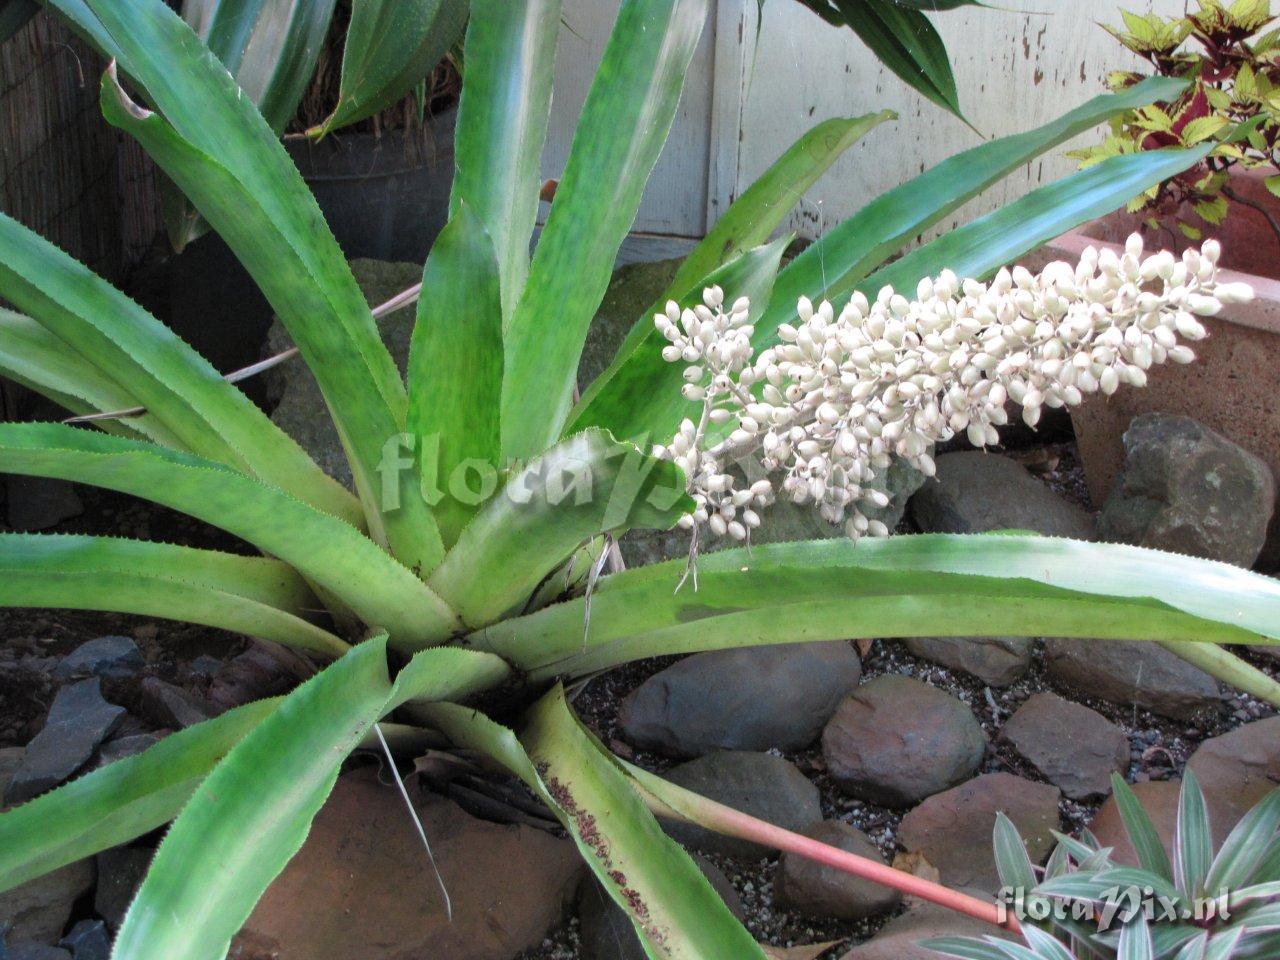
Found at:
<point>483,490</point>
<point>1085,906</point>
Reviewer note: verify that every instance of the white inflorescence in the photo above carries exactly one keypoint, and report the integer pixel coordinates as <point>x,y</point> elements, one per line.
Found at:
<point>829,406</point>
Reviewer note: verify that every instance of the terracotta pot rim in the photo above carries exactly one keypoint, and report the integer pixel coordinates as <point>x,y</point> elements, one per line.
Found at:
<point>1262,313</point>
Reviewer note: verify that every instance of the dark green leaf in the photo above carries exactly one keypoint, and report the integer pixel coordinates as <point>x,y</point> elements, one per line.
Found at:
<point>906,42</point>
<point>14,15</point>
<point>391,46</point>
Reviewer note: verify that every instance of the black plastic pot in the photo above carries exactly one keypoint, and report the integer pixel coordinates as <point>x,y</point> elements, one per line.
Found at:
<point>383,197</point>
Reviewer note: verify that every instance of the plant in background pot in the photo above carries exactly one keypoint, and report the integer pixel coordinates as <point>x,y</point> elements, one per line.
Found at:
<point>1229,56</point>
<point>1200,906</point>
<point>460,585</point>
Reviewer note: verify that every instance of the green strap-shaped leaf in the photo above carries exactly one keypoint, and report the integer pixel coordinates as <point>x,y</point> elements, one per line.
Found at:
<point>445,673</point>
<point>1192,842</point>
<point>219,150</point>
<point>902,586</point>
<point>979,248</point>
<point>1226,666</point>
<point>675,911</point>
<point>638,395</point>
<point>748,223</point>
<point>583,486</point>
<point>252,814</point>
<point>1245,847</point>
<point>34,357</point>
<point>1142,832</point>
<point>502,126</point>
<point>118,802</point>
<point>1012,861</point>
<point>271,49</point>
<point>333,554</point>
<point>624,124</point>
<point>906,42</point>
<point>672,905</point>
<point>752,217</point>
<point>391,46</point>
<point>153,366</point>
<point>836,262</point>
<point>259,597</point>
<point>455,372</point>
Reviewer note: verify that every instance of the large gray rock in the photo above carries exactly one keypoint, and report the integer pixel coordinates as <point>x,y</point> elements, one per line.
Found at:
<point>823,891</point>
<point>759,784</point>
<point>1189,490</point>
<point>79,720</point>
<point>172,706</point>
<point>88,940</point>
<point>299,406</point>
<point>1132,672</point>
<point>605,929</point>
<point>996,661</point>
<point>977,492</point>
<point>896,740</point>
<point>1074,748</point>
<point>752,698</point>
<point>953,829</point>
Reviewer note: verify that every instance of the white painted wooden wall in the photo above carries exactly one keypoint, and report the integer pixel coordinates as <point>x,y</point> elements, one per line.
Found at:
<point>747,98</point>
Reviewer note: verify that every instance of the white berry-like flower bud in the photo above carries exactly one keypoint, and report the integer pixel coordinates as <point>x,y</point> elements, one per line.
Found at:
<point>840,394</point>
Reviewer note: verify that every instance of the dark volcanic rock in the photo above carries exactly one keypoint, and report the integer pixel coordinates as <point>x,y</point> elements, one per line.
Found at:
<point>113,657</point>
<point>78,721</point>
<point>896,740</point>
<point>976,492</point>
<point>996,661</point>
<point>1074,748</point>
<point>759,784</point>
<point>1132,672</point>
<point>953,829</point>
<point>171,706</point>
<point>752,698</point>
<point>1189,490</point>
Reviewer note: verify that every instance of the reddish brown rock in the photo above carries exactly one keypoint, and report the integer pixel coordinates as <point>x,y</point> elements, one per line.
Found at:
<point>1159,798</point>
<point>895,741</point>
<point>362,885</point>
<point>953,829</point>
<point>1237,769</point>
<point>823,891</point>
<point>1074,748</point>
